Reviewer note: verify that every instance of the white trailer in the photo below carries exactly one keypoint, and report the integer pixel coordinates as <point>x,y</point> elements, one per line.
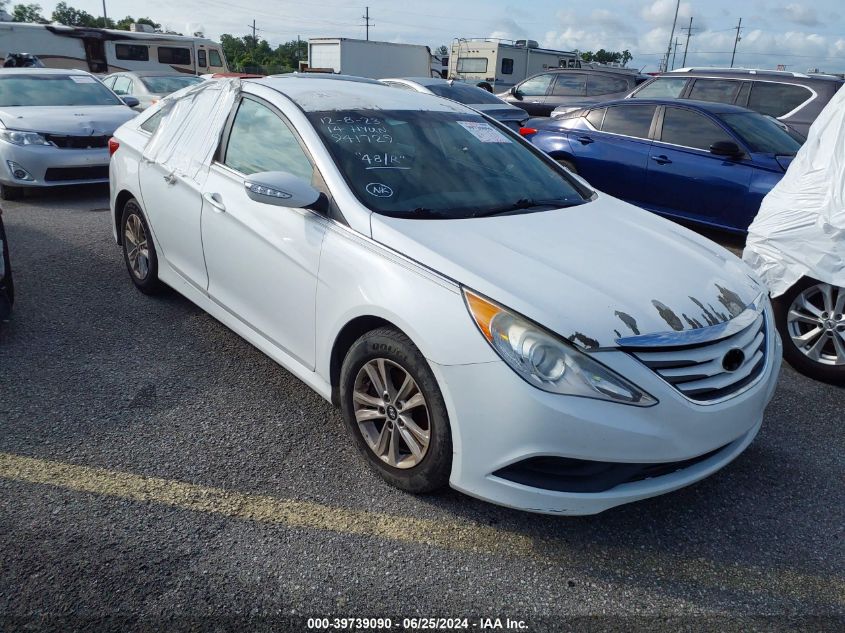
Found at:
<point>110,50</point>
<point>367,58</point>
<point>504,63</point>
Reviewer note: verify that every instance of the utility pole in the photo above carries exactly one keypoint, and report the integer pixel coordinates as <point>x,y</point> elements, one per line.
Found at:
<point>675,53</point>
<point>105,17</point>
<point>366,18</point>
<point>736,41</point>
<point>672,35</point>
<point>686,48</point>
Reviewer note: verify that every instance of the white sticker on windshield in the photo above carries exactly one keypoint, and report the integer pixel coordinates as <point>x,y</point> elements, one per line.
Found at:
<point>83,79</point>
<point>484,132</point>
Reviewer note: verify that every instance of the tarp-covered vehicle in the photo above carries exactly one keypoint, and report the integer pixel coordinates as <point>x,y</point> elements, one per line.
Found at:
<point>797,245</point>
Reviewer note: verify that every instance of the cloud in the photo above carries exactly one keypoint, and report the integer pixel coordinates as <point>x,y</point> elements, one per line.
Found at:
<point>801,14</point>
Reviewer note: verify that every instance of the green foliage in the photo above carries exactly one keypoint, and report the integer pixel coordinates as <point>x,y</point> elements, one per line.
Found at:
<point>246,54</point>
<point>124,24</point>
<point>69,16</point>
<point>442,50</point>
<point>28,13</point>
<point>602,56</point>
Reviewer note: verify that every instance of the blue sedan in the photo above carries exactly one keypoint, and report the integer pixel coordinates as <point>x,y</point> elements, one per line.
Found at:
<point>709,163</point>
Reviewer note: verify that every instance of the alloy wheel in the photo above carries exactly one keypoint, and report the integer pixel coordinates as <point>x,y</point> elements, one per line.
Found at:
<point>391,413</point>
<point>816,324</point>
<point>137,250</point>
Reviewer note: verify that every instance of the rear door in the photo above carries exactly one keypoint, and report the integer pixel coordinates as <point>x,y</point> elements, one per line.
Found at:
<point>685,179</point>
<point>614,158</point>
<point>715,90</point>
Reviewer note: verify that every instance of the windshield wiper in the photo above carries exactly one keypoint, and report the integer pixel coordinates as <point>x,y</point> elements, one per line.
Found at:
<point>527,203</point>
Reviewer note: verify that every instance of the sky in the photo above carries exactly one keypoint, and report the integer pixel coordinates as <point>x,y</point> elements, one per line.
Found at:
<point>799,35</point>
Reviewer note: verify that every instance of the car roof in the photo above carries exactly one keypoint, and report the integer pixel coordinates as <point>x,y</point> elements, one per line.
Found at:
<point>314,94</point>
<point>41,71</point>
<point>708,106</point>
<point>154,73</point>
<point>785,75</point>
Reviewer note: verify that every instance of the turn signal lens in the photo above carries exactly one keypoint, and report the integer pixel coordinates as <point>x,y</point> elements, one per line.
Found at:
<point>527,131</point>
<point>113,145</point>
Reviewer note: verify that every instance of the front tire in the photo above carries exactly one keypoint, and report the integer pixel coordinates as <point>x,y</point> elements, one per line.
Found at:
<point>10,193</point>
<point>395,412</point>
<point>810,317</point>
<point>139,252</point>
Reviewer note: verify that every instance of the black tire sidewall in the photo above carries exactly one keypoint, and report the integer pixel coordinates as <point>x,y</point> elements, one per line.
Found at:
<point>794,356</point>
<point>433,472</point>
<point>150,284</point>
<point>10,193</point>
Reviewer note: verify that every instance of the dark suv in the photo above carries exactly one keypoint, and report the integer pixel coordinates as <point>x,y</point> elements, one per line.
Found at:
<point>793,98</point>
<point>577,87</point>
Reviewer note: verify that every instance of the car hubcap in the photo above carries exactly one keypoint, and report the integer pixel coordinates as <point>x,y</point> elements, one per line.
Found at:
<point>816,324</point>
<point>392,414</point>
<point>135,243</point>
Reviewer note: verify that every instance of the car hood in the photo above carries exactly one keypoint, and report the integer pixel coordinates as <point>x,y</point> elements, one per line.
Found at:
<point>500,111</point>
<point>593,273</point>
<point>70,120</point>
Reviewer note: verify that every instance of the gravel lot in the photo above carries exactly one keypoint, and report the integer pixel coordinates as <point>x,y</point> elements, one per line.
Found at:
<point>183,478</point>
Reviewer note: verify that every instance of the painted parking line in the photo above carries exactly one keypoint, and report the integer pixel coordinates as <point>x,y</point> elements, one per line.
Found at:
<point>447,534</point>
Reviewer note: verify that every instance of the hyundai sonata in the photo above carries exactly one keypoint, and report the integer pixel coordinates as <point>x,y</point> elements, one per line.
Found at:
<point>482,317</point>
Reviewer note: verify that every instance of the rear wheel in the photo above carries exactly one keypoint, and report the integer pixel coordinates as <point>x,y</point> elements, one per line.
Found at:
<point>138,249</point>
<point>810,317</point>
<point>10,193</point>
<point>395,412</point>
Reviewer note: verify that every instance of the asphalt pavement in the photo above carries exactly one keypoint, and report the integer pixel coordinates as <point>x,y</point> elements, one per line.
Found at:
<point>159,473</point>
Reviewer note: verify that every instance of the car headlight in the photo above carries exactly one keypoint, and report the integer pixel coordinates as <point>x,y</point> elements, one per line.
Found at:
<point>545,360</point>
<point>17,137</point>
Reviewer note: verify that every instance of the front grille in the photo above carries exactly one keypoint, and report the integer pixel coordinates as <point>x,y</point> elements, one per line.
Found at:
<point>56,174</point>
<point>78,142</point>
<point>710,371</point>
<point>563,474</point>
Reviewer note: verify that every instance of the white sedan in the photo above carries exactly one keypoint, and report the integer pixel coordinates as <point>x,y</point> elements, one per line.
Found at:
<point>483,318</point>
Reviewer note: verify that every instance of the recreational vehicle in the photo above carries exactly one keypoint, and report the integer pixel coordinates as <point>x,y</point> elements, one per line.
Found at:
<point>107,50</point>
<point>504,63</point>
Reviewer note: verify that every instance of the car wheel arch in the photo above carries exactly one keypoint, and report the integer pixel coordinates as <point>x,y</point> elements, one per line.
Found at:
<point>119,202</point>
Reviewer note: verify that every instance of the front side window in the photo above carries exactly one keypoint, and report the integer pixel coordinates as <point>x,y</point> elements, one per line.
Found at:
<point>691,129</point>
<point>536,86</point>
<point>214,58</point>
<point>439,165</point>
<point>761,133</point>
<point>261,141</point>
<point>173,55</point>
<point>507,66</point>
<point>133,52</point>
<point>54,90</point>
<point>629,120</point>
<point>108,82</point>
<point>604,85</point>
<point>472,64</point>
<point>122,86</point>
<point>662,88</point>
<point>165,84</point>
<point>715,90</point>
<point>570,85</point>
<point>776,99</point>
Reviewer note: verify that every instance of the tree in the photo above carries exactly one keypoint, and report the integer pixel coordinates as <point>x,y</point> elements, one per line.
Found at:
<point>69,16</point>
<point>124,24</point>
<point>442,50</point>
<point>28,13</point>
<point>602,56</point>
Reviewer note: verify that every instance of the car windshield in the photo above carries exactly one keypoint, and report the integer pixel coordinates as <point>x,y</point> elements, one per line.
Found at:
<point>762,134</point>
<point>449,165</point>
<point>54,90</point>
<point>166,84</point>
<point>463,93</point>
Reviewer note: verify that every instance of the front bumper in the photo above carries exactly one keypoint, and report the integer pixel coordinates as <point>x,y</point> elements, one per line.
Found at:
<point>66,166</point>
<point>499,420</point>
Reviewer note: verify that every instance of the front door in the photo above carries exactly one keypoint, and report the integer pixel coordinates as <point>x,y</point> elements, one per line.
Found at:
<point>263,259</point>
<point>531,94</point>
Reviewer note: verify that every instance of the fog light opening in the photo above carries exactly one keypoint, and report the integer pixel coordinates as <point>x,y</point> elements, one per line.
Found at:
<point>18,172</point>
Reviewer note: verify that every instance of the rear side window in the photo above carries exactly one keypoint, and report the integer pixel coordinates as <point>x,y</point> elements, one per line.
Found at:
<point>663,88</point>
<point>536,86</point>
<point>595,117</point>
<point>716,90</point>
<point>691,129</point>
<point>214,58</point>
<point>151,124</point>
<point>629,120</point>
<point>776,99</point>
<point>134,52</point>
<point>261,141</point>
<point>507,66</point>
<point>567,85</point>
<point>173,55</point>
<point>602,85</point>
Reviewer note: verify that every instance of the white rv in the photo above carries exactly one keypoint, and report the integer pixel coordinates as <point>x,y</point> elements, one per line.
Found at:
<point>108,50</point>
<point>504,63</point>
<point>367,58</point>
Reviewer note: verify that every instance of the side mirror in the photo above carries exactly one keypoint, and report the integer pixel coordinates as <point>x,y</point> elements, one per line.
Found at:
<point>281,189</point>
<point>132,102</point>
<point>726,148</point>
<point>515,93</point>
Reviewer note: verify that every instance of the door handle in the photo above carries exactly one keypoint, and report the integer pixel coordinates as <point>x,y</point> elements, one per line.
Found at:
<point>214,200</point>
<point>661,160</point>
<point>585,140</point>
